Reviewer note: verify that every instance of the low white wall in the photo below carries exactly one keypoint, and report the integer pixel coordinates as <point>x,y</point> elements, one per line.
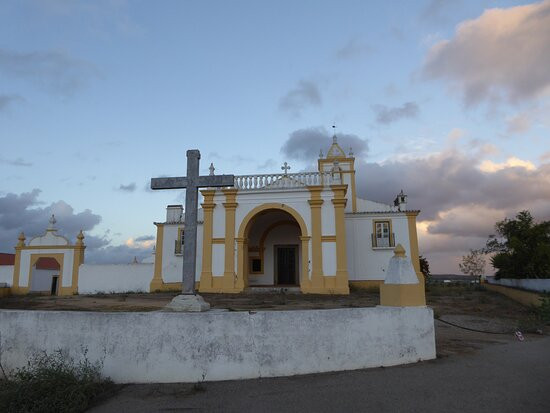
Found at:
<point>6,274</point>
<point>532,284</point>
<point>114,278</point>
<point>188,347</point>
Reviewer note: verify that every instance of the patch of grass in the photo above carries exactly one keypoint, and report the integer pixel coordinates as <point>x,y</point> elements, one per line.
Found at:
<point>53,383</point>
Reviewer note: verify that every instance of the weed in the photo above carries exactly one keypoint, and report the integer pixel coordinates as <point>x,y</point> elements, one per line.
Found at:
<point>53,383</point>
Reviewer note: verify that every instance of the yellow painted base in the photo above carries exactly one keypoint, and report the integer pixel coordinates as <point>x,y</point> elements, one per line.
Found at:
<point>5,291</point>
<point>156,287</point>
<point>402,295</point>
<point>371,285</point>
<point>527,298</point>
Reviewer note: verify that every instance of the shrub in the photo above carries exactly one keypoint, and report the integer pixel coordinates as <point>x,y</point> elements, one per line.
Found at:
<point>53,383</point>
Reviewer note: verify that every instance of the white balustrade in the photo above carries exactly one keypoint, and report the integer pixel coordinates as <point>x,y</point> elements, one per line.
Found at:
<point>277,181</point>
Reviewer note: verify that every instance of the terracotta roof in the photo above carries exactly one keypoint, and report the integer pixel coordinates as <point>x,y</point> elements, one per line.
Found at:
<point>47,263</point>
<point>7,259</point>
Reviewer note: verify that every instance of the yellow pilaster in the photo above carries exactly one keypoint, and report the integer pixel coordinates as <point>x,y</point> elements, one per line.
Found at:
<point>305,282</point>
<point>206,273</point>
<point>16,289</point>
<point>241,279</point>
<point>230,206</point>
<point>156,282</point>
<point>315,204</point>
<point>339,202</point>
<point>78,259</point>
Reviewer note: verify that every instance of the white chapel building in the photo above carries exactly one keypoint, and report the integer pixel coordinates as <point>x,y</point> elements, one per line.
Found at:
<point>306,229</point>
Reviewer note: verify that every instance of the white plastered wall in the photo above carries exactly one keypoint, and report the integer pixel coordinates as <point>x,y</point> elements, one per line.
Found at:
<point>364,262</point>
<point>42,280</point>
<point>172,264</point>
<point>114,278</point>
<point>6,274</point>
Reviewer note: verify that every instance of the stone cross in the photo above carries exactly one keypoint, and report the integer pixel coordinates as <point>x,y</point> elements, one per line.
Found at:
<point>285,168</point>
<point>192,182</point>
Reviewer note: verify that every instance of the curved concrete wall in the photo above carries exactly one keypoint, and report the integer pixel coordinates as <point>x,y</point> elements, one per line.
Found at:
<point>532,284</point>
<point>188,347</point>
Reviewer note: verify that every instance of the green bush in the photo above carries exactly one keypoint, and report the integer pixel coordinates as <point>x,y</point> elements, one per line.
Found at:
<point>543,311</point>
<point>53,383</point>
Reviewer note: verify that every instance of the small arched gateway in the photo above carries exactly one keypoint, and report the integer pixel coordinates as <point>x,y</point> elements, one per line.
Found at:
<point>48,264</point>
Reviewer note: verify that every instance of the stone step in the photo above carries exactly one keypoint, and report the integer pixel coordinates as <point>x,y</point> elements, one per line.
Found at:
<point>270,289</point>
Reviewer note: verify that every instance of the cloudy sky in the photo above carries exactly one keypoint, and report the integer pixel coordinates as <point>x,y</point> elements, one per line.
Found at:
<point>447,100</point>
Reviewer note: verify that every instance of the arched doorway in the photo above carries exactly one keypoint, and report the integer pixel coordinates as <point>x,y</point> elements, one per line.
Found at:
<point>273,248</point>
<point>45,276</point>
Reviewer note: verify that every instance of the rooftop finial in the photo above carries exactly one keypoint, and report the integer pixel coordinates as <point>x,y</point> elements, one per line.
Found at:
<point>211,168</point>
<point>334,139</point>
<point>321,154</point>
<point>285,168</point>
<point>350,151</point>
<point>52,222</point>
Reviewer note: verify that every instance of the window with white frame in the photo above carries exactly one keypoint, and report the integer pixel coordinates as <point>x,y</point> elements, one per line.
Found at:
<point>382,234</point>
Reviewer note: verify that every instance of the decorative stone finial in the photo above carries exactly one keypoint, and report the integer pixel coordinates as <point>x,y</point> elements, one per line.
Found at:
<point>52,222</point>
<point>135,260</point>
<point>334,139</point>
<point>350,151</point>
<point>285,168</point>
<point>80,238</point>
<point>21,239</point>
<point>399,251</point>
<point>321,154</point>
<point>211,169</point>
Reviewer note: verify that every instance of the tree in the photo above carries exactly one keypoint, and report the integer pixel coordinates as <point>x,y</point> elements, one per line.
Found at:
<point>521,249</point>
<point>473,264</point>
<point>424,266</point>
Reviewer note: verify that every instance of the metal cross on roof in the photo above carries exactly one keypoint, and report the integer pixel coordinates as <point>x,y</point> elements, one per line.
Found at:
<point>285,168</point>
<point>192,182</point>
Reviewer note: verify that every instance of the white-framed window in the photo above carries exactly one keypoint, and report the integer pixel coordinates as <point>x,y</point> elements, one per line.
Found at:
<point>382,236</point>
<point>178,248</point>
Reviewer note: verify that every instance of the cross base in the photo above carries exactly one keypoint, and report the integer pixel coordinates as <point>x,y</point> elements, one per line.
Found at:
<point>187,303</point>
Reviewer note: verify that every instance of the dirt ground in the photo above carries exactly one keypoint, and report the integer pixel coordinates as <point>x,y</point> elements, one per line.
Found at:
<point>468,318</point>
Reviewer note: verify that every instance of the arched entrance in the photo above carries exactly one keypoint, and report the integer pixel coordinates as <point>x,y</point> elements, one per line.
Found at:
<point>273,248</point>
<point>45,274</point>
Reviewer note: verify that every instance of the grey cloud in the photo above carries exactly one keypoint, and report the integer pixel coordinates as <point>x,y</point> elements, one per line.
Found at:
<point>117,254</point>
<point>304,144</point>
<point>145,238</point>
<point>54,71</point>
<point>450,179</point>
<point>353,48</point>
<point>503,54</point>
<point>131,187</point>
<point>305,94</point>
<point>436,11</point>
<point>23,213</point>
<point>8,100</point>
<point>386,115</point>
<point>15,162</point>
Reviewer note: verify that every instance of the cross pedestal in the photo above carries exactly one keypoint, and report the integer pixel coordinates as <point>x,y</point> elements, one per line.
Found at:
<point>189,300</point>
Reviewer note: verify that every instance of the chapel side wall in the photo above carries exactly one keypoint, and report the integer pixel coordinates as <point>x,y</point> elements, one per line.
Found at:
<point>172,265</point>
<point>6,274</point>
<point>364,262</point>
<point>114,278</point>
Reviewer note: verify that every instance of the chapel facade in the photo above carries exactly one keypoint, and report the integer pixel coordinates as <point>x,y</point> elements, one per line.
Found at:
<point>307,230</point>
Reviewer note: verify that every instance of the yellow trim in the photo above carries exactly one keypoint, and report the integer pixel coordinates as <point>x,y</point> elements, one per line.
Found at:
<point>218,240</point>
<point>339,201</point>
<point>373,285</point>
<point>230,206</point>
<point>157,283</point>
<point>328,238</point>
<point>315,205</point>
<point>208,207</point>
<point>527,298</point>
<point>242,243</point>
<point>16,270</point>
<point>413,241</point>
